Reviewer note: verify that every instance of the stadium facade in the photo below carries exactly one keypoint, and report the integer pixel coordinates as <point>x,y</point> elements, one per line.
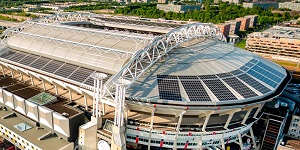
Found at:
<point>145,84</point>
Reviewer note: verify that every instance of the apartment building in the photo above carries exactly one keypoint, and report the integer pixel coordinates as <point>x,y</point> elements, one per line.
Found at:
<point>279,42</point>
<point>224,28</point>
<point>253,20</point>
<point>234,26</point>
<point>245,21</point>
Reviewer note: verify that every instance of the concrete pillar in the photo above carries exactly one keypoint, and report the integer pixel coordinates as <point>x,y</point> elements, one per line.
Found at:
<point>240,141</point>
<point>223,143</point>
<point>228,120</point>
<point>3,71</point>
<point>246,116</point>
<point>85,102</point>
<point>32,81</point>
<point>200,143</point>
<point>151,125</point>
<point>44,86</point>
<point>258,110</point>
<point>56,89</point>
<point>252,137</point>
<point>207,116</point>
<point>177,130</point>
<point>70,95</point>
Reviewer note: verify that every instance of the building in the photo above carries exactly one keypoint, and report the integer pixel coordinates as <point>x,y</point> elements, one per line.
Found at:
<point>245,22</point>
<point>253,20</point>
<point>290,5</point>
<point>224,28</point>
<point>234,26</point>
<point>279,42</point>
<point>167,85</point>
<point>162,1</point>
<point>231,1</point>
<point>177,8</point>
<point>294,129</point>
<point>262,4</point>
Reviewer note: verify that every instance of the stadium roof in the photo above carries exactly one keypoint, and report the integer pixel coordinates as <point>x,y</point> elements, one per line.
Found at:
<point>208,72</point>
<point>190,64</point>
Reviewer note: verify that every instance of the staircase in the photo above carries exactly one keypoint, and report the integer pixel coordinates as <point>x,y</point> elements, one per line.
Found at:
<point>271,134</point>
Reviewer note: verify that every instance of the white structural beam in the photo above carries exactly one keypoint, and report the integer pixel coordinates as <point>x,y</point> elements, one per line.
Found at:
<point>207,116</point>
<point>258,110</point>
<point>142,60</point>
<point>151,125</point>
<point>252,137</point>
<point>249,109</point>
<point>177,130</point>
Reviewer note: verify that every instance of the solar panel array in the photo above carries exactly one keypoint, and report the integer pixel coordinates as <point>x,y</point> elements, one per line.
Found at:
<point>169,89</point>
<point>241,88</point>
<point>219,90</point>
<point>255,84</point>
<point>195,90</point>
<point>62,69</point>
<point>248,73</point>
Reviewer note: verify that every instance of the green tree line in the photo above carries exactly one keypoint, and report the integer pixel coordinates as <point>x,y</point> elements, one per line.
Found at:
<point>214,14</point>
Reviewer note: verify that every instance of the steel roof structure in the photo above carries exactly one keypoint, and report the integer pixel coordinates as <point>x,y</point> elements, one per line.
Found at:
<point>186,75</point>
<point>73,53</point>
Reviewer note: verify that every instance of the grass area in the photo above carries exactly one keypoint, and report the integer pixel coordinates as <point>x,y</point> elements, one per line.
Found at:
<point>241,44</point>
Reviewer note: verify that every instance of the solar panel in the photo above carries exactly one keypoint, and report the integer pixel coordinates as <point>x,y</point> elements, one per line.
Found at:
<point>262,78</point>
<point>267,74</point>
<point>29,59</point>
<point>244,68</point>
<point>166,77</point>
<point>241,88</point>
<point>249,64</point>
<point>8,54</point>
<point>169,89</point>
<point>52,66</point>
<point>203,77</point>
<point>66,70</point>
<point>219,90</point>
<point>253,83</point>
<point>275,72</point>
<point>188,77</point>
<point>17,57</point>
<point>236,72</point>
<point>195,90</point>
<point>224,75</point>
<point>40,62</point>
<point>81,74</point>
<point>254,61</point>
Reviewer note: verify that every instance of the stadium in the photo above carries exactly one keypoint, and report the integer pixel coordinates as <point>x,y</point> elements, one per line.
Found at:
<point>82,79</point>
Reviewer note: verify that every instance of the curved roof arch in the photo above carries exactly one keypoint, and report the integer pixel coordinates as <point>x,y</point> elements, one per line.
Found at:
<point>145,58</point>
